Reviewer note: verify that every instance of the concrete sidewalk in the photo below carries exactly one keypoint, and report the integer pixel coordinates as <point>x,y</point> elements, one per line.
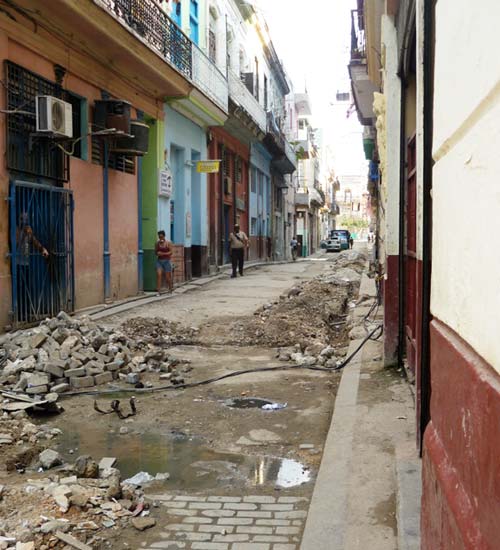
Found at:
<point>367,490</point>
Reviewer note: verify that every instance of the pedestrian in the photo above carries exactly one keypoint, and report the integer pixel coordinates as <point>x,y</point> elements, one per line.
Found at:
<point>351,241</point>
<point>163,251</point>
<point>238,243</point>
<point>28,273</point>
<point>294,245</point>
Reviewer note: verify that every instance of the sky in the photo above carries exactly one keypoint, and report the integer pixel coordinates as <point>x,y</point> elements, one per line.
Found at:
<point>312,38</point>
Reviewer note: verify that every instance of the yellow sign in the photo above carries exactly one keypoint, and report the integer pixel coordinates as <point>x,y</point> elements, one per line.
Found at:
<point>208,166</point>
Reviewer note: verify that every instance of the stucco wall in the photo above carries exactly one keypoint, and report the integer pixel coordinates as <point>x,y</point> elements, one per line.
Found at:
<point>184,135</point>
<point>466,194</point>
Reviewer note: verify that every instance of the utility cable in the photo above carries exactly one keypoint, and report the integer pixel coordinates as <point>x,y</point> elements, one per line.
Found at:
<point>340,366</point>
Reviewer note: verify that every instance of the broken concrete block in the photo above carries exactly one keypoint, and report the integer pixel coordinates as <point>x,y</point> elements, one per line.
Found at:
<point>103,378</point>
<point>79,382</point>
<point>60,335</point>
<point>49,458</point>
<point>106,463</point>
<point>73,373</point>
<point>86,467</point>
<point>60,388</point>
<point>54,370</point>
<point>70,342</point>
<point>36,390</point>
<point>38,340</point>
<point>114,366</point>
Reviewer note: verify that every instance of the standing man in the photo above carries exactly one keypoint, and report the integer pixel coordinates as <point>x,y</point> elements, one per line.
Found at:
<point>294,244</point>
<point>163,250</point>
<point>238,243</point>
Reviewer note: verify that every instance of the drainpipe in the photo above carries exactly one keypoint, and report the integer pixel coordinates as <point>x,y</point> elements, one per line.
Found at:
<point>105,209</point>
<point>140,251</point>
<point>425,368</point>
<point>401,258</point>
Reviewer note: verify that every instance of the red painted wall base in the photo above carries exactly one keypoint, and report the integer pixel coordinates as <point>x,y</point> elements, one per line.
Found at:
<point>461,464</point>
<point>391,310</point>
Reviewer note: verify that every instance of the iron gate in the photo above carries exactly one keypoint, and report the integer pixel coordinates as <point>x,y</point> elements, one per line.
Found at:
<point>41,244</point>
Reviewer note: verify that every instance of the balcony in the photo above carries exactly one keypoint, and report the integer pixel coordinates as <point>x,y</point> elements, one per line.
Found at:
<point>362,87</point>
<point>240,94</point>
<point>208,78</point>
<point>284,158</point>
<point>302,199</point>
<point>146,20</point>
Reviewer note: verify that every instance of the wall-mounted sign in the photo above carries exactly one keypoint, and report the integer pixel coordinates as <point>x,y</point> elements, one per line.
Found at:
<point>165,183</point>
<point>208,166</point>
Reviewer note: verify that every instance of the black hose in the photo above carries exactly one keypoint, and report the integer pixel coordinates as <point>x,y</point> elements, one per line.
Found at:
<point>232,374</point>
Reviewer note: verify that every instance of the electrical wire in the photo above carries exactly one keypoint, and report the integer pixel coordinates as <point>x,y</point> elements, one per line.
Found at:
<point>340,366</point>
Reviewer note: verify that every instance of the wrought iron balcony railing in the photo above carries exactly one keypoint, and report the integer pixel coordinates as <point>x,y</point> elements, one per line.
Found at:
<point>147,20</point>
<point>240,94</point>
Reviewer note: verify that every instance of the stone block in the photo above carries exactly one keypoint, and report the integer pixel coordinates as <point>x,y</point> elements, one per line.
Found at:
<point>60,388</point>
<point>54,370</point>
<point>103,378</point>
<point>73,373</point>
<point>79,382</point>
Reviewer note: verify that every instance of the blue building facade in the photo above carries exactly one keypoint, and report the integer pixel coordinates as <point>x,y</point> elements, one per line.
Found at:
<point>260,201</point>
<point>184,214</point>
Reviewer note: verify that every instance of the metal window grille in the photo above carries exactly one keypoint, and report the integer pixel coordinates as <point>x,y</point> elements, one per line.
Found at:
<point>27,152</point>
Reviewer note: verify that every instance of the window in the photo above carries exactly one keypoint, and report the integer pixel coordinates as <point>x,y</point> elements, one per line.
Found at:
<point>238,170</point>
<point>253,226</point>
<point>193,21</point>
<point>27,153</point>
<point>261,184</point>
<point>253,184</point>
<point>212,45</point>
<point>177,13</point>
<point>302,124</point>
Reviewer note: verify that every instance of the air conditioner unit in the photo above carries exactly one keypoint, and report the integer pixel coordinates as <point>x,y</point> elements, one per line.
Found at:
<point>54,116</point>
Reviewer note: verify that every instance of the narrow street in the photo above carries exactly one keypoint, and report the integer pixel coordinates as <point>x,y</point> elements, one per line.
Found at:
<point>232,475</point>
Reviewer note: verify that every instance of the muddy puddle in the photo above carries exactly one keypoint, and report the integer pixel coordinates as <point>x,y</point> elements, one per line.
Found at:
<point>190,464</point>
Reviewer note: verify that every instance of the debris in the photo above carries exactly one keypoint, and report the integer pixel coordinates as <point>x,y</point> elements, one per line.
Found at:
<point>49,458</point>
<point>142,523</point>
<point>274,406</point>
<point>86,467</point>
<point>306,446</point>
<point>106,463</point>
<point>75,543</point>
<point>140,478</point>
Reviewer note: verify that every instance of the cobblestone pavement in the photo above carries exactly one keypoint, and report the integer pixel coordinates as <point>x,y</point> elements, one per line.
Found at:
<point>231,523</point>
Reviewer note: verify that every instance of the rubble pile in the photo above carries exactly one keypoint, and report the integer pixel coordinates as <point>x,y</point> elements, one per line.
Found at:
<point>158,331</point>
<point>66,353</point>
<point>352,259</point>
<point>78,504</point>
<point>309,313</point>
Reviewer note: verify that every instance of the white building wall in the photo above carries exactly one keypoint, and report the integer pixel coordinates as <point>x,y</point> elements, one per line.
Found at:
<point>390,181</point>
<point>466,190</point>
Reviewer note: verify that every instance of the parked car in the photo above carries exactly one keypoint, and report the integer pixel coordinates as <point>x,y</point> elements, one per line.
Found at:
<point>343,235</point>
<point>333,244</point>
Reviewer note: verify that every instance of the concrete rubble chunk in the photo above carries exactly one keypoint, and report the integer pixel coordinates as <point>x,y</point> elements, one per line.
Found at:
<point>106,463</point>
<point>25,545</point>
<point>49,458</point>
<point>72,541</point>
<point>141,524</point>
<point>38,340</point>
<point>86,467</point>
<point>81,382</point>
<point>60,388</point>
<point>72,373</point>
<point>103,378</point>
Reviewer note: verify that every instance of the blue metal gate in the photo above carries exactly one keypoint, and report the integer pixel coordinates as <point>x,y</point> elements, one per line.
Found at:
<point>41,244</point>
